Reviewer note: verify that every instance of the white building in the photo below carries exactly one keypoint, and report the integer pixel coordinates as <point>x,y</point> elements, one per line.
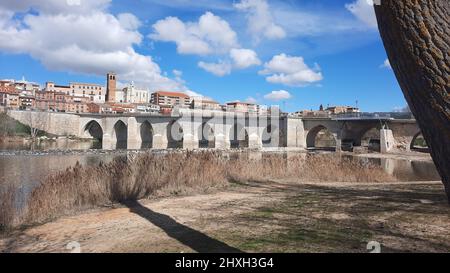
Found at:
<point>132,94</point>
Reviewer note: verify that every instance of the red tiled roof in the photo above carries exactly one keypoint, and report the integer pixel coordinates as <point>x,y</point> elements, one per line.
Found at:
<point>171,94</point>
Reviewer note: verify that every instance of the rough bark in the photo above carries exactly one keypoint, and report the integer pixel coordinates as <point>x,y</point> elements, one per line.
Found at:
<point>416,35</point>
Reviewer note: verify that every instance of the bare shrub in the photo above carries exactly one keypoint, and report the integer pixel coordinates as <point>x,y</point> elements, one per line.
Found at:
<point>314,168</point>
<point>147,175</point>
<point>7,207</point>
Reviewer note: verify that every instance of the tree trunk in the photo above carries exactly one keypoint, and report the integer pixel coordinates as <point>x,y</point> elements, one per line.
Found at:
<point>416,35</point>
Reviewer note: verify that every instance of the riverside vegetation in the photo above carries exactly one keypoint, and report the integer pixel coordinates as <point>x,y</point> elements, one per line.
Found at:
<point>150,175</point>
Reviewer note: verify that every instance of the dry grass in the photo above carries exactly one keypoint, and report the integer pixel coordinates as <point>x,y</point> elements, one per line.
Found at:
<point>146,175</point>
<point>7,207</point>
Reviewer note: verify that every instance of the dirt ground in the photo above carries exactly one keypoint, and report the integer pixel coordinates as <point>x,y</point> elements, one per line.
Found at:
<point>270,216</point>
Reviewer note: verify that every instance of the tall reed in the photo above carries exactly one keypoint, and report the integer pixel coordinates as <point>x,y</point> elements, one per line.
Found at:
<point>146,175</point>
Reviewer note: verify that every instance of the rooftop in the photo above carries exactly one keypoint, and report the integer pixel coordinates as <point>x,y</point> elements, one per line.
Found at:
<point>171,94</point>
<point>240,102</point>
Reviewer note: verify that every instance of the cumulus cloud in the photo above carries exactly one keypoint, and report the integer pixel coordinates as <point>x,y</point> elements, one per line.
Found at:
<point>220,69</point>
<point>240,59</point>
<point>364,11</point>
<point>64,38</point>
<point>260,20</point>
<point>251,100</point>
<point>290,71</point>
<point>278,95</point>
<point>55,6</point>
<point>211,34</point>
<point>386,64</point>
<point>244,58</point>
<point>129,21</point>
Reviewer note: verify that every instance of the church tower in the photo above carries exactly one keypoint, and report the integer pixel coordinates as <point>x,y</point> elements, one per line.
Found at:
<point>111,87</point>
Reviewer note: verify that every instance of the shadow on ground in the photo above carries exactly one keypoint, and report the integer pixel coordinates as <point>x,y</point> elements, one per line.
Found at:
<point>192,238</point>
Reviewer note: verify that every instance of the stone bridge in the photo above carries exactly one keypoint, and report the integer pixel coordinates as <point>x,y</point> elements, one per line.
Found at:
<point>193,129</point>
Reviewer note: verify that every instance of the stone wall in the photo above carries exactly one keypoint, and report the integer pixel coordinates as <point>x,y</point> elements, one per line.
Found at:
<point>60,124</point>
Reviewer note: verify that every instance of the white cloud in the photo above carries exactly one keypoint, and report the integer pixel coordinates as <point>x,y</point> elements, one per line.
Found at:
<point>290,71</point>
<point>211,34</point>
<point>219,69</point>
<point>364,11</point>
<point>386,64</point>
<point>177,73</point>
<point>93,42</point>
<point>55,6</point>
<point>278,95</point>
<point>260,20</point>
<point>251,100</point>
<point>244,58</point>
<point>240,59</point>
<point>129,21</point>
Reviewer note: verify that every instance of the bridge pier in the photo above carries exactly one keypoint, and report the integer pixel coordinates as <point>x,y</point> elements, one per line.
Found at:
<point>295,133</point>
<point>338,139</point>
<point>160,140</point>
<point>254,141</point>
<point>190,132</point>
<point>134,141</point>
<point>221,133</point>
<point>387,141</point>
<point>108,143</point>
<point>254,133</point>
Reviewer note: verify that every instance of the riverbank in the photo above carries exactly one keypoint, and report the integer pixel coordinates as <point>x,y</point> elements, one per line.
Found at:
<point>265,216</point>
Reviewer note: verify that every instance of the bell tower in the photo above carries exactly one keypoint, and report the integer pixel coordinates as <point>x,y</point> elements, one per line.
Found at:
<point>111,87</point>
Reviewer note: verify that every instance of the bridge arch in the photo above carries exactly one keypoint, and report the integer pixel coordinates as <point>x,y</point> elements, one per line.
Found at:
<point>94,130</point>
<point>269,136</point>
<point>371,139</point>
<point>175,135</point>
<point>146,132</point>
<point>239,137</point>
<point>327,141</point>
<point>418,143</point>
<point>120,135</point>
<point>206,136</point>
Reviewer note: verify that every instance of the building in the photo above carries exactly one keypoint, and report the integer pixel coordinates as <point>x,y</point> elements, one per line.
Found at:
<point>13,100</point>
<point>93,108</point>
<point>6,88</point>
<point>172,99</point>
<point>205,104</point>
<point>18,94</point>
<point>111,86</point>
<point>132,94</point>
<point>136,95</point>
<point>28,88</point>
<point>26,101</point>
<point>242,107</point>
<point>121,108</point>
<point>94,92</point>
<point>335,110</point>
<point>76,104</point>
<point>148,108</point>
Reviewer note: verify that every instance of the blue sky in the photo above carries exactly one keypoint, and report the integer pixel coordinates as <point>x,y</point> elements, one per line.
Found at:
<point>295,53</point>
